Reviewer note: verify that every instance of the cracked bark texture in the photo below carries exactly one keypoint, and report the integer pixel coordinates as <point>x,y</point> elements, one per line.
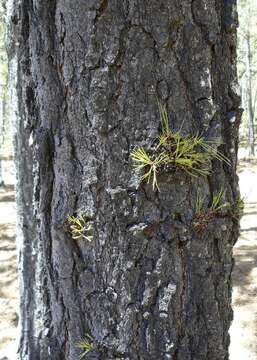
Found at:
<point>88,74</point>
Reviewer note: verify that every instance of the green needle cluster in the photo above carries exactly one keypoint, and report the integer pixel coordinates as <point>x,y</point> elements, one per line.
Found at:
<point>79,227</point>
<point>193,154</point>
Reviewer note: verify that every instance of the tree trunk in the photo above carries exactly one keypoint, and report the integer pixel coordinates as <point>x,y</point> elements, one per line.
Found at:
<point>250,103</point>
<point>89,73</point>
<point>1,131</point>
<point>1,174</point>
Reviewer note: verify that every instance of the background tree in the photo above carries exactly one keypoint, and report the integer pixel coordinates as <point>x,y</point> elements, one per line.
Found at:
<point>149,284</point>
<point>3,85</point>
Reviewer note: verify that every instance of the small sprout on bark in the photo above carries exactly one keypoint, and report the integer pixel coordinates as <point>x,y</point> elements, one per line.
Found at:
<point>240,204</point>
<point>204,216</point>
<point>217,203</point>
<point>238,208</point>
<point>192,154</point>
<point>199,204</point>
<point>164,119</point>
<point>80,227</point>
<point>86,344</point>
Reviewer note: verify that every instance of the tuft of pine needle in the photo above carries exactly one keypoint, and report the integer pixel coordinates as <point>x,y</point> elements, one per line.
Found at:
<point>79,227</point>
<point>203,217</point>
<point>217,203</point>
<point>191,153</point>
<point>142,160</point>
<point>86,344</point>
<point>199,204</point>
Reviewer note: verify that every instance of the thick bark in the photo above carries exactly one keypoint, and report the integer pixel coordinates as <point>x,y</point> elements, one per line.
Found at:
<point>89,72</point>
<point>250,102</point>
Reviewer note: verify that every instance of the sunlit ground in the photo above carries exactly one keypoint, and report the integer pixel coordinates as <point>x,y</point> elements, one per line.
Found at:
<point>8,267</point>
<point>244,328</point>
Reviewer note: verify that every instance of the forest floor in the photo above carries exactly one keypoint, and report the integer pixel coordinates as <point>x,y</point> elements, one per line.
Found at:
<point>244,327</point>
<point>8,275</point>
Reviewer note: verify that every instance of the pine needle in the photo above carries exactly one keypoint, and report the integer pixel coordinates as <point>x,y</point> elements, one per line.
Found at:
<point>86,344</point>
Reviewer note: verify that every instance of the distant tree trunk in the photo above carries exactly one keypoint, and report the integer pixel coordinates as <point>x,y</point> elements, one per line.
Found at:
<point>2,118</point>
<point>1,174</point>
<point>250,103</point>
<point>89,72</point>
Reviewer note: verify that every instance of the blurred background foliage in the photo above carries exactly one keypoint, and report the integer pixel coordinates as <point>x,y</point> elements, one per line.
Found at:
<point>247,73</point>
